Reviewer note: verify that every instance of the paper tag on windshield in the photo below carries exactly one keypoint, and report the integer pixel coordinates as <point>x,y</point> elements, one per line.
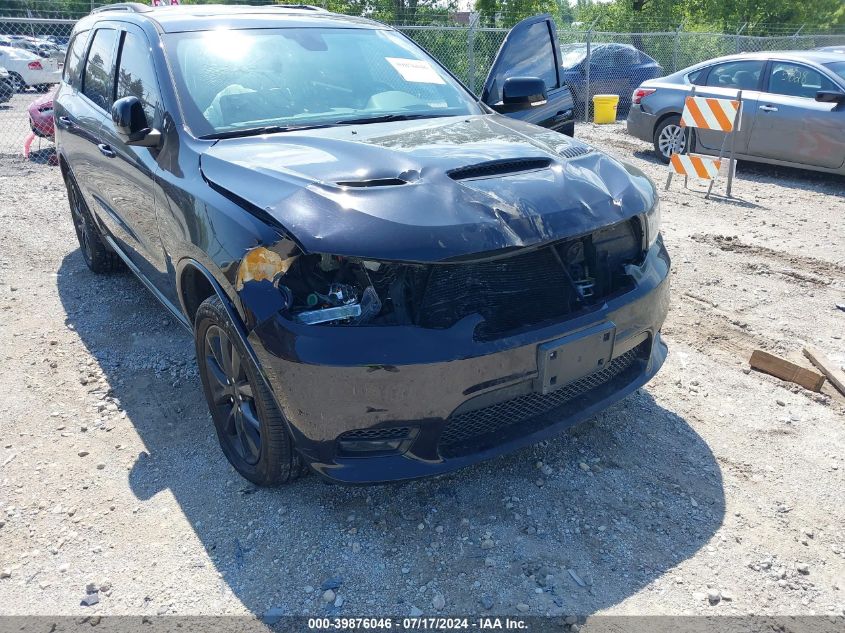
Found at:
<point>415,70</point>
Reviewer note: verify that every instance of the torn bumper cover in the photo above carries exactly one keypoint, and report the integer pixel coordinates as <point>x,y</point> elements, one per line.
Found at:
<point>418,401</point>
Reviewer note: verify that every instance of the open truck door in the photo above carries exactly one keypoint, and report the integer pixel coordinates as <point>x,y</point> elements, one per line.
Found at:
<point>525,79</point>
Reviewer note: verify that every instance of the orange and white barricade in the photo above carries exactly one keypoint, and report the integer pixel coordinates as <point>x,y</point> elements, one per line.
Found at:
<point>708,113</point>
<point>695,165</point>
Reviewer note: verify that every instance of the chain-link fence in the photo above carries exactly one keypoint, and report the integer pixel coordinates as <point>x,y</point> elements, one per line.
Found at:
<point>592,62</point>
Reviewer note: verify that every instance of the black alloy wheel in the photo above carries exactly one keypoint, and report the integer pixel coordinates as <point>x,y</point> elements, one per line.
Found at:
<point>251,429</point>
<point>80,224</point>
<point>232,396</point>
<point>98,257</point>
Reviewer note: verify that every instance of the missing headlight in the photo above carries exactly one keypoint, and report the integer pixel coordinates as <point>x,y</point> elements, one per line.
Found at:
<point>328,289</point>
<point>323,289</point>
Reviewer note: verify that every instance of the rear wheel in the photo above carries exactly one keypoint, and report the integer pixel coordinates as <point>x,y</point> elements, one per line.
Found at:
<point>669,138</point>
<point>7,89</point>
<point>250,427</point>
<point>97,255</point>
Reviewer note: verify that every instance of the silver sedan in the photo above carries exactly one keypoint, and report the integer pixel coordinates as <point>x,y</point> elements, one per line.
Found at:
<point>793,110</point>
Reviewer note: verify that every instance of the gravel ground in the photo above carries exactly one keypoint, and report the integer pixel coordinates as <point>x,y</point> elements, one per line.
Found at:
<point>714,490</point>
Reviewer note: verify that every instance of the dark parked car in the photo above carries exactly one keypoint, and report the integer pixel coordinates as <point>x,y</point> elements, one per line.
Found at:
<point>7,85</point>
<point>793,109</point>
<point>385,278</point>
<point>615,69</point>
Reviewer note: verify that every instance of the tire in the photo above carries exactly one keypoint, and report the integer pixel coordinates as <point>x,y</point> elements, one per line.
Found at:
<point>250,427</point>
<point>669,138</point>
<point>97,255</point>
<point>18,83</point>
<point>7,89</point>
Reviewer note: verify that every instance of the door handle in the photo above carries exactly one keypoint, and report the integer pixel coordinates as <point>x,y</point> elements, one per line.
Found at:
<point>105,150</point>
<point>768,108</point>
<point>65,121</point>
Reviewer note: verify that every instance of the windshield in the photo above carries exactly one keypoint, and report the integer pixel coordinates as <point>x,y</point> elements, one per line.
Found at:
<point>250,79</point>
<point>838,68</point>
<point>572,55</point>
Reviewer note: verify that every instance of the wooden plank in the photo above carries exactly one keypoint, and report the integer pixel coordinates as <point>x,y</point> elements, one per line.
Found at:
<point>827,367</point>
<point>785,370</point>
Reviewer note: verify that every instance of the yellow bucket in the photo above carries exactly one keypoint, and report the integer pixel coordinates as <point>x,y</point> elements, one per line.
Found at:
<point>604,108</point>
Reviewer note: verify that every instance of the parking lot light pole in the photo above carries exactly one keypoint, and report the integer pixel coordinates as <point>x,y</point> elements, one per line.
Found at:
<point>676,49</point>
<point>587,90</point>
<point>737,47</point>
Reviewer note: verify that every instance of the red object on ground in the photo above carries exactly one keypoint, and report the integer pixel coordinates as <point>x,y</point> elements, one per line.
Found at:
<point>41,115</point>
<point>27,145</point>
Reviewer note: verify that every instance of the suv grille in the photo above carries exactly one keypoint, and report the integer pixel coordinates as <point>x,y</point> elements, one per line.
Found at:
<point>469,432</point>
<point>529,288</point>
<point>508,293</point>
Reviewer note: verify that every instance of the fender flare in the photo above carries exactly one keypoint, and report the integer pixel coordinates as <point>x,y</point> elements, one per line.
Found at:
<point>228,305</point>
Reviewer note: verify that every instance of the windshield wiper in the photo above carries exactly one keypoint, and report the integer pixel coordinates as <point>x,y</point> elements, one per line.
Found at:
<point>273,129</point>
<point>384,118</point>
<point>257,131</point>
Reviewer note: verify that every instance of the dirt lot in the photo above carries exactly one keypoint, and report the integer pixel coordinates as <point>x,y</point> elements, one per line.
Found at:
<point>714,490</point>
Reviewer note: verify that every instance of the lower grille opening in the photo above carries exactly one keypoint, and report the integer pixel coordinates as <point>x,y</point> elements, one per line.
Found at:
<point>378,441</point>
<point>473,431</point>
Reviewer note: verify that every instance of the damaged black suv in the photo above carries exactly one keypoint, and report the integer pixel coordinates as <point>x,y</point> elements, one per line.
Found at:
<point>386,278</point>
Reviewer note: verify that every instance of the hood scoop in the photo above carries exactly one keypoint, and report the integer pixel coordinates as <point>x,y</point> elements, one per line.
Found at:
<point>375,182</point>
<point>574,151</point>
<point>503,167</point>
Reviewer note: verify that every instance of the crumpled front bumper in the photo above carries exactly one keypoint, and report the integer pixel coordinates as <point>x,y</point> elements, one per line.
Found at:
<point>333,380</point>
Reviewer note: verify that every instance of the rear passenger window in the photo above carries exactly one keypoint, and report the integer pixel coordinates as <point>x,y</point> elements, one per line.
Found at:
<point>625,56</point>
<point>136,76</point>
<point>741,75</point>
<point>72,72</point>
<point>98,82</point>
<point>696,77</point>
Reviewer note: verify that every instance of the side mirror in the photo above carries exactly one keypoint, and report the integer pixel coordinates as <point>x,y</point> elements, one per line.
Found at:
<point>131,123</point>
<point>830,96</point>
<point>522,93</point>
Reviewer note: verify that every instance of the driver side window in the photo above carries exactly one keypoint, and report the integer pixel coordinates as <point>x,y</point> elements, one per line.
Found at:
<point>529,54</point>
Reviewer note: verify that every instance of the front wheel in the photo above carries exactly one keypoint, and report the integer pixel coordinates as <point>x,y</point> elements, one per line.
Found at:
<point>250,427</point>
<point>669,138</point>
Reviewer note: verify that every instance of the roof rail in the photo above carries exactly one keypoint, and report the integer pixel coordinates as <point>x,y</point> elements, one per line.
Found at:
<point>131,7</point>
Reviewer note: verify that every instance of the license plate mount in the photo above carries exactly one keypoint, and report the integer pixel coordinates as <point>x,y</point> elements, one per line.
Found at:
<point>567,359</point>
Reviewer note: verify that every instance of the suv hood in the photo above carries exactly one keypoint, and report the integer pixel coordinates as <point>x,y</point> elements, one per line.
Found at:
<point>427,190</point>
